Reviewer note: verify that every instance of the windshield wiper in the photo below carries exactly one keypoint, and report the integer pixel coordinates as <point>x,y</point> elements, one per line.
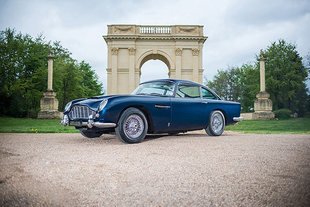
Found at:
<point>151,94</point>
<point>142,94</point>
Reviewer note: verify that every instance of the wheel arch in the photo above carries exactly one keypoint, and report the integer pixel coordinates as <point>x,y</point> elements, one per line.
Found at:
<point>223,112</point>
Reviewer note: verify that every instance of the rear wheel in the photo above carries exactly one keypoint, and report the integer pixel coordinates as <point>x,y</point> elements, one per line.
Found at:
<point>90,134</point>
<point>132,126</point>
<point>216,124</point>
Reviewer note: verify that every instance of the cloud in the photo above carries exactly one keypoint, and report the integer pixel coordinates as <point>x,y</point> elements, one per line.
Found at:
<point>236,29</point>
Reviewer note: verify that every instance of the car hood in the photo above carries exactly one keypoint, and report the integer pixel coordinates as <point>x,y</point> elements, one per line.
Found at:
<point>94,102</point>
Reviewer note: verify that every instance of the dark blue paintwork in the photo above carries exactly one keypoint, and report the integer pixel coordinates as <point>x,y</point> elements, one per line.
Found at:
<point>175,115</point>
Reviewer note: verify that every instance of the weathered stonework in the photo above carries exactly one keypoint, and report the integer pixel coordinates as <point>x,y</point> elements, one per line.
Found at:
<point>178,52</point>
<point>49,106</point>
<point>49,102</point>
<point>262,105</point>
<point>195,51</point>
<point>130,46</point>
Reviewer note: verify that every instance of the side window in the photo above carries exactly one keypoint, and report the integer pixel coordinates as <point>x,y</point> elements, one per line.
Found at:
<point>188,91</point>
<point>206,94</point>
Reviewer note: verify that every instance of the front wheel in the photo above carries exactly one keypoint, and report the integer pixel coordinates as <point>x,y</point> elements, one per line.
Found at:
<point>216,124</point>
<point>132,126</point>
<point>90,134</point>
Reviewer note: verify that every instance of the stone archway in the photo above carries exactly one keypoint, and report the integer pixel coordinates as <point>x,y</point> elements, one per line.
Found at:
<point>162,67</point>
<point>130,46</point>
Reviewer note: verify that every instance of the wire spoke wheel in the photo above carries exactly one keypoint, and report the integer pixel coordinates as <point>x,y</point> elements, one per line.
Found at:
<point>133,126</point>
<point>216,124</point>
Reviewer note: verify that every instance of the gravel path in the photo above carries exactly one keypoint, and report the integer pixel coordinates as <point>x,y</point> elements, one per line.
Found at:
<point>187,170</point>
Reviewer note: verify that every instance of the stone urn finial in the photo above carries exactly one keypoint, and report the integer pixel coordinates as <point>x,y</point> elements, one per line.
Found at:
<point>262,55</point>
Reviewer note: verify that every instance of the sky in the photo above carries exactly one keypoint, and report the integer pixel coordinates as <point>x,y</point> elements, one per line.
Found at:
<point>236,29</point>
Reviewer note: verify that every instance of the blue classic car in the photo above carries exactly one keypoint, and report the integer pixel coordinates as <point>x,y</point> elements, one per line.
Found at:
<point>159,106</point>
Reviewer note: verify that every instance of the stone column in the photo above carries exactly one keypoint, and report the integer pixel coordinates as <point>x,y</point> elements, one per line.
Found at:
<point>262,105</point>
<point>49,103</point>
<point>262,60</point>
<point>50,73</point>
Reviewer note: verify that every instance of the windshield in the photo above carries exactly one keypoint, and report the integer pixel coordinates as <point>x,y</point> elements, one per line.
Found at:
<point>159,88</point>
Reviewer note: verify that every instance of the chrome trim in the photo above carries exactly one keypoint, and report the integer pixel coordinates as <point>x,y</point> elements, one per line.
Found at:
<point>81,112</point>
<point>91,124</point>
<point>104,125</point>
<point>162,106</point>
<point>65,120</point>
<point>238,118</point>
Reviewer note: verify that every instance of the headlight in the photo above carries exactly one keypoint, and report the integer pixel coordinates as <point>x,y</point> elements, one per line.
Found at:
<point>68,106</point>
<point>102,104</point>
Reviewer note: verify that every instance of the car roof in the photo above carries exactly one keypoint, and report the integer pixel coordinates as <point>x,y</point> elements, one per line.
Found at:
<point>172,80</point>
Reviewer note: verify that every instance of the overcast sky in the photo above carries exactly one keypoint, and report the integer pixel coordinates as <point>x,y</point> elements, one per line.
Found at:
<point>236,29</point>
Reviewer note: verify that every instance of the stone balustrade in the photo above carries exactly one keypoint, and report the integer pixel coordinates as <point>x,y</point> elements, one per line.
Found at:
<point>156,30</point>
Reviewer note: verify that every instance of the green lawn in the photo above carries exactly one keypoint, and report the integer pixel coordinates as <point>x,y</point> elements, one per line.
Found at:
<point>23,125</point>
<point>289,126</point>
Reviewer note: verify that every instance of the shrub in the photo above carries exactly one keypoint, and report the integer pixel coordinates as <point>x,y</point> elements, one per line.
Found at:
<point>283,113</point>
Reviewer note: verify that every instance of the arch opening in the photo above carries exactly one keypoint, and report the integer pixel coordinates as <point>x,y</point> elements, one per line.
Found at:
<point>154,66</point>
<point>153,69</point>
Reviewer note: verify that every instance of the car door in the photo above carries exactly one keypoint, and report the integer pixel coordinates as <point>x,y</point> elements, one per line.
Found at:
<point>188,110</point>
<point>160,110</point>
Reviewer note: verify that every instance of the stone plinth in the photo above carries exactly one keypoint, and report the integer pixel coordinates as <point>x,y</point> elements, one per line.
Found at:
<point>263,106</point>
<point>49,106</point>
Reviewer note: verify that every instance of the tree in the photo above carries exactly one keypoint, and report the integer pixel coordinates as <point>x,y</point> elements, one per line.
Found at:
<point>23,74</point>
<point>285,77</point>
<point>237,84</point>
<point>285,80</point>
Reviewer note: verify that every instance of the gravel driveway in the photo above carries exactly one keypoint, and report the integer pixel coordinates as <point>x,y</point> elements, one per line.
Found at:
<point>186,170</point>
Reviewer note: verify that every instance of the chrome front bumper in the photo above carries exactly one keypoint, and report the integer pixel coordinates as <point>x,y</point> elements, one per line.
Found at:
<point>238,118</point>
<point>89,124</point>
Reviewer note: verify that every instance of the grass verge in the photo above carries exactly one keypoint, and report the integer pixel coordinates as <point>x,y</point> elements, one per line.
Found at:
<point>25,125</point>
<point>289,126</point>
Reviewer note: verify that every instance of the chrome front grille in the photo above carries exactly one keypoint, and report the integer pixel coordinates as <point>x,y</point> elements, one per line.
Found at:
<point>80,112</point>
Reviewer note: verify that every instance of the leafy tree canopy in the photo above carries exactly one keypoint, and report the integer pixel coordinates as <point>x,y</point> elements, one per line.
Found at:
<point>285,80</point>
<point>23,74</point>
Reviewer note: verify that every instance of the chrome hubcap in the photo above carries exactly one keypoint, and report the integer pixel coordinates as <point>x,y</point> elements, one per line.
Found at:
<point>133,126</point>
<point>217,123</point>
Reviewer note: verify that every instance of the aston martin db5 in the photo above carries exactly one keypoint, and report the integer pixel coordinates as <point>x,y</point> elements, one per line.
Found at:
<point>154,107</point>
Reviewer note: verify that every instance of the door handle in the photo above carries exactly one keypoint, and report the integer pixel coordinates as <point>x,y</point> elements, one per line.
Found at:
<point>162,106</point>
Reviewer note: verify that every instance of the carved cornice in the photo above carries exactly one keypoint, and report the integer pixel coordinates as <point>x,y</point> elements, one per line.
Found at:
<point>178,52</point>
<point>109,70</point>
<point>114,51</point>
<point>195,51</point>
<point>136,37</point>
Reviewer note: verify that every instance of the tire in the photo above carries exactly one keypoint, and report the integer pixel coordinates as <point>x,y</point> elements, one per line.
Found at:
<point>216,124</point>
<point>90,133</point>
<point>132,126</point>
